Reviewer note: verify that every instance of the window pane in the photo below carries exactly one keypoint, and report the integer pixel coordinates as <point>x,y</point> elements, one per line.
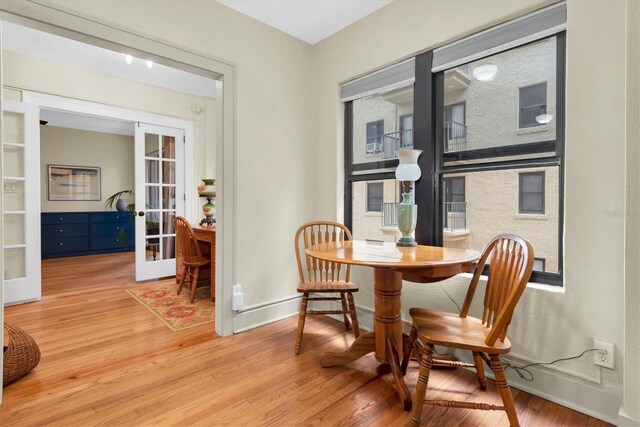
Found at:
<point>501,107</point>
<point>532,193</point>
<point>381,224</point>
<point>491,208</point>
<point>382,124</point>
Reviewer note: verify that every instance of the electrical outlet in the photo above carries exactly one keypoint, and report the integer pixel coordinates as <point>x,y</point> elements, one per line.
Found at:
<point>604,355</point>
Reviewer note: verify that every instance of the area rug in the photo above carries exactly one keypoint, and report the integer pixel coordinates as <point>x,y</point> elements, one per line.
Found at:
<point>173,310</point>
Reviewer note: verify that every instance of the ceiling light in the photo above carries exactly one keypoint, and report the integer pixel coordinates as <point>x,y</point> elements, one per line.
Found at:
<point>544,118</point>
<point>128,58</point>
<point>485,73</point>
<point>149,63</point>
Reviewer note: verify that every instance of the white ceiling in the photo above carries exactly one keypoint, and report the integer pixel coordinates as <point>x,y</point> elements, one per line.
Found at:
<point>308,20</point>
<point>55,48</point>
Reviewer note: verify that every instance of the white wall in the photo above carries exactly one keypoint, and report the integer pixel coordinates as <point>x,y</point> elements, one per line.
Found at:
<point>630,412</point>
<point>274,139</point>
<point>113,154</point>
<point>546,325</point>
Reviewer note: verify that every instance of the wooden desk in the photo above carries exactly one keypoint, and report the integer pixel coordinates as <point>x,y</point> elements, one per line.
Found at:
<point>206,236</point>
<point>392,264</point>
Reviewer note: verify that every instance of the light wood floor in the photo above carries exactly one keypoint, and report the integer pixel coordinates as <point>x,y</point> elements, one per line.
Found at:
<point>107,361</point>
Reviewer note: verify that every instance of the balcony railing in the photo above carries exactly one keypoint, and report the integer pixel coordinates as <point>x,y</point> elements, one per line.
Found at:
<point>386,145</point>
<point>389,215</point>
<point>454,215</point>
<point>455,136</point>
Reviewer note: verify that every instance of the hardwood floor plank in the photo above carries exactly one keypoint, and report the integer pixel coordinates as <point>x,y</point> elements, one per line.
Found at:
<point>106,360</point>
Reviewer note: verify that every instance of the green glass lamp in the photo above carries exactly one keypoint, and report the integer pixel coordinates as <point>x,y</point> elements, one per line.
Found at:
<point>407,173</point>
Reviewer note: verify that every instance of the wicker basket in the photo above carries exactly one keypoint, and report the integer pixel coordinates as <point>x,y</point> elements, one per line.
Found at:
<point>21,354</point>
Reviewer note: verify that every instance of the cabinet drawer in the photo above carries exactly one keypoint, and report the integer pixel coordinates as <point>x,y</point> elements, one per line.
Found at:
<point>65,244</point>
<point>64,218</point>
<point>110,242</point>
<point>64,230</point>
<point>110,228</point>
<point>113,217</point>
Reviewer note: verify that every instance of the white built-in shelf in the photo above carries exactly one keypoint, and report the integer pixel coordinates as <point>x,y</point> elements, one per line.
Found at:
<point>12,145</point>
<point>19,246</point>
<point>14,178</point>
<point>14,212</point>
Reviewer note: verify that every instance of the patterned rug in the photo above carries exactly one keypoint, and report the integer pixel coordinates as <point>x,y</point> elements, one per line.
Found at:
<point>173,310</point>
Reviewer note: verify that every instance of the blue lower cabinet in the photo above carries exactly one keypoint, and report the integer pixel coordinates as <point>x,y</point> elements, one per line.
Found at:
<point>67,234</point>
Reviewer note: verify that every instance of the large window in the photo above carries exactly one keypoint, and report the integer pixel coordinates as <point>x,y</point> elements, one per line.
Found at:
<point>491,128</point>
<point>511,158</point>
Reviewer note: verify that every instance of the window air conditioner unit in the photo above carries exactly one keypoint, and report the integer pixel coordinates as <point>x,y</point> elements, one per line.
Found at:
<point>374,147</point>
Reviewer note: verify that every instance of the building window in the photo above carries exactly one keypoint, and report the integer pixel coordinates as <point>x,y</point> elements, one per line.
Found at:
<point>454,215</point>
<point>455,129</point>
<point>406,131</point>
<point>538,264</point>
<point>375,130</point>
<point>533,105</point>
<point>374,196</point>
<point>531,193</point>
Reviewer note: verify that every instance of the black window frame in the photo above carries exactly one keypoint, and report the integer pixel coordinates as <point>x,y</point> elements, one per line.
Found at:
<point>376,183</point>
<point>534,123</point>
<point>521,193</point>
<point>427,136</point>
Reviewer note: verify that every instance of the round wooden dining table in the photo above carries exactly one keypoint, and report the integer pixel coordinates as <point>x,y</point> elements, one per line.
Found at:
<point>392,265</point>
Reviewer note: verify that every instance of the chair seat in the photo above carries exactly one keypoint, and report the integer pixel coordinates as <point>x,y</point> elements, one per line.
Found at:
<point>451,330</point>
<point>327,286</point>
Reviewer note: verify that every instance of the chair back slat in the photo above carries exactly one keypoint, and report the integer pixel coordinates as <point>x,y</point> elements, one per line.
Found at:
<point>510,265</point>
<point>186,240</point>
<point>313,269</point>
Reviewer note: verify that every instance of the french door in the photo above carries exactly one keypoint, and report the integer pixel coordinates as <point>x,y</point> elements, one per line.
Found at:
<point>159,198</point>
<point>21,207</point>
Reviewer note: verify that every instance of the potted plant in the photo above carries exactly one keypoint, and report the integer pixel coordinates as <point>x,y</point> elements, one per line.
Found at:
<point>122,206</point>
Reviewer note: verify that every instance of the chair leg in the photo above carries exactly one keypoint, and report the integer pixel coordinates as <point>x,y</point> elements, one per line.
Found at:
<point>408,349</point>
<point>354,314</point>
<point>421,387</point>
<point>477,360</point>
<point>301,317</point>
<point>505,391</point>
<point>194,284</point>
<point>182,279</point>
<point>345,310</point>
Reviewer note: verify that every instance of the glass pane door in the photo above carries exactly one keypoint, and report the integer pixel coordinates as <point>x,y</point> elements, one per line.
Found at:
<point>159,198</point>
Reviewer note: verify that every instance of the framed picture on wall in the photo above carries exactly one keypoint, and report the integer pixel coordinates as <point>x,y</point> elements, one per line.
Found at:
<point>74,183</point>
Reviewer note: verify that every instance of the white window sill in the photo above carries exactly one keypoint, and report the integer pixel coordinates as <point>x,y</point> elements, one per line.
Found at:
<point>532,285</point>
<point>538,217</point>
<point>373,214</point>
<point>533,129</point>
<point>390,229</point>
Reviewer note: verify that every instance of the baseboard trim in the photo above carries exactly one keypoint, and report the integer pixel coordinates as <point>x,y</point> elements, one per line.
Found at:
<point>626,421</point>
<point>265,314</point>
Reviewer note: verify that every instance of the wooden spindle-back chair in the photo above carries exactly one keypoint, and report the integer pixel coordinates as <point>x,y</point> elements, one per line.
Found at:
<point>318,276</point>
<point>510,266</point>
<point>192,259</point>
